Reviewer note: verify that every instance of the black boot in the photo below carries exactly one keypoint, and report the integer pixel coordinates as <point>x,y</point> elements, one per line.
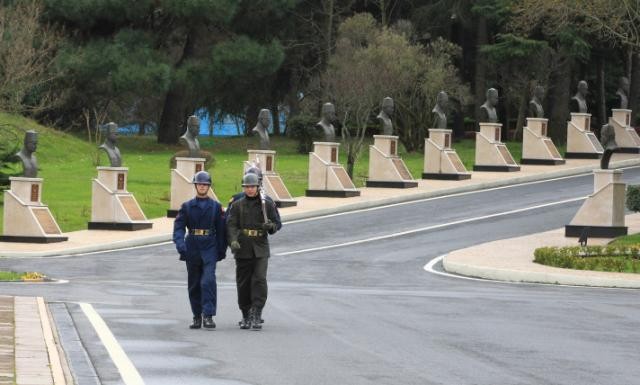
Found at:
<point>207,322</point>
<point>245,322</point>
<point>255,317</point>
<point>197,323</point>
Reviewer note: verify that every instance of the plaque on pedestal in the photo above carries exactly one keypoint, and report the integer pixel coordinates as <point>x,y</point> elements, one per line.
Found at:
<point>327,178</point>
<point>26,218</point>
<point>537,147</point>
<point>271,181</point>
<point>581,142</point>
<point>182,188</point>
<point>602,214</point>
<point>440,160</point>
<point>491,153</point>
<point>386,168</point>
<point>627,138</point>
<point>112,206</point>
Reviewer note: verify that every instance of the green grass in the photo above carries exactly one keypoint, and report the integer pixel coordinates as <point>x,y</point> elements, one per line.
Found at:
<point>67,165</point>
<point>626,240</point>
<point>10,276</point>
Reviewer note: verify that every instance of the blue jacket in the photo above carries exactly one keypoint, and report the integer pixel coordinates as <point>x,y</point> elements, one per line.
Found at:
<point>191,216</point>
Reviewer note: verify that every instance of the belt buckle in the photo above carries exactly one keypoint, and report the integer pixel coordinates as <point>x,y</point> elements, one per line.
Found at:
<point>253,233</point>
<point>199,232</point>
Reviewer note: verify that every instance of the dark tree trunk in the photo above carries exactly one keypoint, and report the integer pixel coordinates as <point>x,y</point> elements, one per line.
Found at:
<point>601,98</point>
<point>634,97</point>
<point>558,100</point>
<point>522,113</point>
<point>480,81</point>
<point>275,117</point>
<point>251,118</point>
<point>141,128</point>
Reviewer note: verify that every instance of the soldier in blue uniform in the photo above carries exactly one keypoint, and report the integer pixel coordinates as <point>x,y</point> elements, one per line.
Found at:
<point>205,244</point>
<point>250,221</point>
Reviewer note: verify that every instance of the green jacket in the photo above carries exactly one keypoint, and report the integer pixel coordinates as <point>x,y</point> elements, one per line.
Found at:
<point>244,221</point>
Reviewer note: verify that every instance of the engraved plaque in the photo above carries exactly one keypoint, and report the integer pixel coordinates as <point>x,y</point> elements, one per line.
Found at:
<point>198,167</point>
<point>120,181</point>
<point>402,169</point>
<point>43,216</point>
<point>457,163</point>
<point>343,177</point>
<point>594,141</point>
<point>544,129</point>
<point>334,155</point>
<point>131,207</point>
<point>278,187</point>
<point>35,193</point>
<point>447,140</point>
<point>269,166</point>
<point>506,155</point>
<point>552,149</point>
<point>392,150</point>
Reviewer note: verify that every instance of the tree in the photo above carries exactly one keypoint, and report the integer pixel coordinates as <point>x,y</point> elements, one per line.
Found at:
<point>27,53</point>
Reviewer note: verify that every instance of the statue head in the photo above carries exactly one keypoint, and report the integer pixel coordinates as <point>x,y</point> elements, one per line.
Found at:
<point>538,92</point>
<point>492,97</point>
<point>623,84</point>
<point>583,88</point>
<point>329,112</point>
<point>264,118</point>
<point>30,141</point>
<point>442,100</point>
<point>193,125</point>
<point>111,132</point>
<point>387,106</point>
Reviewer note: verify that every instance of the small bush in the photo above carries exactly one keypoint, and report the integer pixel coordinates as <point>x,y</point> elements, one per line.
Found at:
<point>303,129</point>
<point>601,258</point>
<point>633,198</point>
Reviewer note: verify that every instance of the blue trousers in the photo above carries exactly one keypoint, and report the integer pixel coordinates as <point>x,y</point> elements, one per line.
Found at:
<point>201,282</point>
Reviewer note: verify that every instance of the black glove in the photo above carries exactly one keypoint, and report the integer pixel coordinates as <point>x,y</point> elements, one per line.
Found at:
<point>183,256</point>
<point>269,226</point>
<point>234,246</point>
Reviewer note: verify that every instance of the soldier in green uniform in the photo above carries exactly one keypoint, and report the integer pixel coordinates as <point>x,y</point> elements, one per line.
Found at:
<point>250,221</point>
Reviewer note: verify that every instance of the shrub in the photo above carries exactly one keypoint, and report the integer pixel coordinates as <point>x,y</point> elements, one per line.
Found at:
<point>602,258</point>
<point>633,198</point>
<point>302,128</point>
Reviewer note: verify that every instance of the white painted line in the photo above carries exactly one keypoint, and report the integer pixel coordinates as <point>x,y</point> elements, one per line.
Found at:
<point>429,268</point>
<point>438,197</point>
<point>432,227</point>
<point>127,370</point>
<point>54,357</point>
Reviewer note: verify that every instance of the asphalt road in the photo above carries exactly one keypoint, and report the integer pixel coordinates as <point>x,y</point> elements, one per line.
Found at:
<point>350,303</point>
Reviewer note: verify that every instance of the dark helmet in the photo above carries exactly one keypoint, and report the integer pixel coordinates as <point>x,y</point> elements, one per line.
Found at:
<point>250,180</point>
<point>254,170</point>
<point>202,177</point>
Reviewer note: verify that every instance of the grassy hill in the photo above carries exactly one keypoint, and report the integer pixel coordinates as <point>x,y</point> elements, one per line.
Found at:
<point>67,164</point>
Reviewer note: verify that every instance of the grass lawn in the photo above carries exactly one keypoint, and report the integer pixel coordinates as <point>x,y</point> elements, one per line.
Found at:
<point>10,276</point>
<point>66,163</point>
<point>626,240</point>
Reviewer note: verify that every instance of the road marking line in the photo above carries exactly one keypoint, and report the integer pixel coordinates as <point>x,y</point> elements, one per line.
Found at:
<point>127,370</point>
<point>432,227</point>
<point>429,268</point>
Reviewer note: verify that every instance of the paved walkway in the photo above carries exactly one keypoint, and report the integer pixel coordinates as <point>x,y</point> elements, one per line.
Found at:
<point>28,350</point>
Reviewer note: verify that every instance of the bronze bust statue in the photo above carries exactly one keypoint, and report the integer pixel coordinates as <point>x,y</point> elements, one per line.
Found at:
<point>535,104</point>
<point>623,93</point>
<point>190,137</point>
<point>326,123</point>
<point>109,145</point>
<point>27,155</point>
<point>579,100</point>
<point>385,116</point>
<point>608,140</point>
<point>261,128</point>
<point>439,112</point>
<point>488,112</point>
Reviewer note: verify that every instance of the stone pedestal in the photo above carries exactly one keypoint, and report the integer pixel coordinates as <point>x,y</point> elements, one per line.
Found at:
<point>26,218</point>
<point>602,214</point>
<point>386,168</point>
<point>581,142</point>
<point>182,188</point>
<point>537,147</point>
<point>327,178</point>
<point>112,206</point>
<point>627,138</point>
<point>271,181</point>
<point>440,160</point>
<point>491,153</point>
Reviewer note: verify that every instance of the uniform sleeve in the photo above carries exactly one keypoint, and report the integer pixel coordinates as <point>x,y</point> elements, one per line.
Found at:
<point>233,221</point>
<point>179,225</point>
<point>274,215</point>
<point>221,236</point>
